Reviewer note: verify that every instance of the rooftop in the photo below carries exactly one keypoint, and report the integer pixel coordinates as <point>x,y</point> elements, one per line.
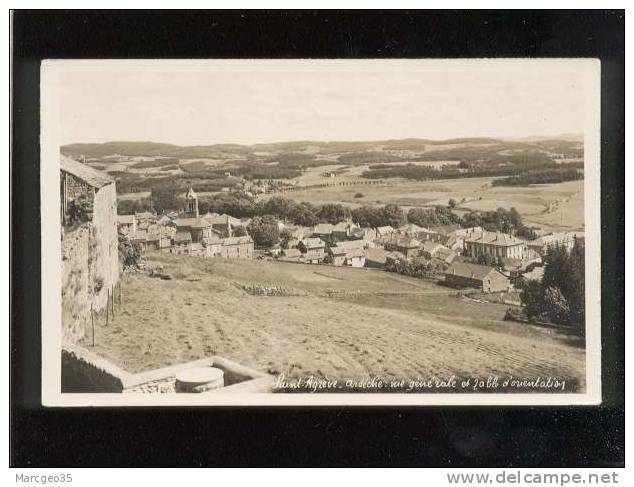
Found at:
<point>313,243</point>
<point>126,219</point>
<point>237,240</point>
<point>495,238</point>
<point>192,222</point>
<point>92,177</point>
<point>473,271</point>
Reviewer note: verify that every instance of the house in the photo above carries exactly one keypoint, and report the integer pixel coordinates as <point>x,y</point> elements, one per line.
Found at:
<point>194,249</point>
<point>384,231</point>
<point>429,249</point>
<point>223,225</point>
<point>445,255</point>
<point>199,228</point>
<point>90,243</point>
<point>182,238</point>
<point>408,246</point>
<point>300,233</point>
<point>481,277</point>
<point>455,240</point>
<point>213,246</point>
<point>312,250</point>
<point>445,232</point>
<point>345,230</point>
<point>564,239</point>
<point>127,224</point>
<point>291,254</point>
<point>495,244</point>
<point>355,258</point>
<point>420,233</point>
<point>352,244</point>
<point>322,230</point>
<point>145,219</point>
<point>369,236</point>
<point>237,248</point>
<point>164,220</point>
<point>336,255</point>
<point>375,258</point>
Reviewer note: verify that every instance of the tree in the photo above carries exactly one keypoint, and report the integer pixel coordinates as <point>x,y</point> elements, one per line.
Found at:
<point>556,306</point>
<point>130,207</point>
<point>576,292</point>
<point>532,297</point>
<point>129,252</point>
<point>526,232</point>
<point>367,216</point>
<point>304,214</point>
<point>556,268</point>
<point>561,294</point>
<point>333,213</point>
<point>452,203</point>
<point>165,199</point>
<point>264,231</point>
<point>285,237</point>
<point>392,215</point>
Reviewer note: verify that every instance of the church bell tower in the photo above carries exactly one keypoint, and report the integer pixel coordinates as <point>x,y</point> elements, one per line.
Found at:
<point>191,203</point>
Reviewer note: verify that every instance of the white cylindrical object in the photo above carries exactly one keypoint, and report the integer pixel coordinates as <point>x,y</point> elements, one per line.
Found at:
<point>199,379</point>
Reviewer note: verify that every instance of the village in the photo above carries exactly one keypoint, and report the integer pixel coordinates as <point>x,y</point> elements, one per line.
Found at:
<point>451,252</point>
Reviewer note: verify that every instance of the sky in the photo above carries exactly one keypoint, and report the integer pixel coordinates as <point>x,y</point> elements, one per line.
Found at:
<point>246,102</point>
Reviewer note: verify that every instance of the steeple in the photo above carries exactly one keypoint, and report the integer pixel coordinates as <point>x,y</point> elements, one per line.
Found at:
<point>191,203</point>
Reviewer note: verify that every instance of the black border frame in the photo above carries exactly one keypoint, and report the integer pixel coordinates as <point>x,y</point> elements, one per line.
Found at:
<point>326,436</point>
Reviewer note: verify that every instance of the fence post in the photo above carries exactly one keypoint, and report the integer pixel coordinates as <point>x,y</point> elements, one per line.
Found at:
<point>112,302</point>
<point>92,322</point>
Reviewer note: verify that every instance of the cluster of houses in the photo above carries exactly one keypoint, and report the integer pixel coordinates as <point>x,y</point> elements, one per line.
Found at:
<point>454,250</point>
<point>189,233</point>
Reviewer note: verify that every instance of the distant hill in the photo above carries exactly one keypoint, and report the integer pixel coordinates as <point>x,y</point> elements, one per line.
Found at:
<point>154,149</point>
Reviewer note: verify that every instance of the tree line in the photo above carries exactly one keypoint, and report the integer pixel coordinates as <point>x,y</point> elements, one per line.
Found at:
<point>559,297</point>
<point>240,205</point>
<point>551,176</point>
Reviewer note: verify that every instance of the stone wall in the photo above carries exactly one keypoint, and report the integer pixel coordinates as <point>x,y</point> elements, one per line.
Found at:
<point>104,221</point>
<point>83,371</point>
<point>90,265</point>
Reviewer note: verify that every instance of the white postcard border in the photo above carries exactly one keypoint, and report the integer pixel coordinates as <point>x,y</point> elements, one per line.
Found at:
<point>51,249</point>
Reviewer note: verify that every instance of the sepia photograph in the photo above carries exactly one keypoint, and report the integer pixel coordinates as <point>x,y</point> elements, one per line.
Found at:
<point>248,232</point>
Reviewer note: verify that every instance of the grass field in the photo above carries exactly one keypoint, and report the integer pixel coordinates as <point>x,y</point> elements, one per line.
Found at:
<point>335,322</point>
<point>549,206</point>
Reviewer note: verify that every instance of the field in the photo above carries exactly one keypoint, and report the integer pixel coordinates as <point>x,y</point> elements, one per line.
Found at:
<point>330,322</point>
<point>552,207</point>
<point>307,165</point>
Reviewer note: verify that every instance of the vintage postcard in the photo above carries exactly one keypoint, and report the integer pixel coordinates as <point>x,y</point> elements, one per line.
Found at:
<point>320,232</point>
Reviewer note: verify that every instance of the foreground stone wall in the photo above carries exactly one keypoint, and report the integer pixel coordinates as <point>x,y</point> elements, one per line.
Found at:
<point>85,372</point>
<point>90,265</point>
<point>77,284</point>
<point>106,263</point>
